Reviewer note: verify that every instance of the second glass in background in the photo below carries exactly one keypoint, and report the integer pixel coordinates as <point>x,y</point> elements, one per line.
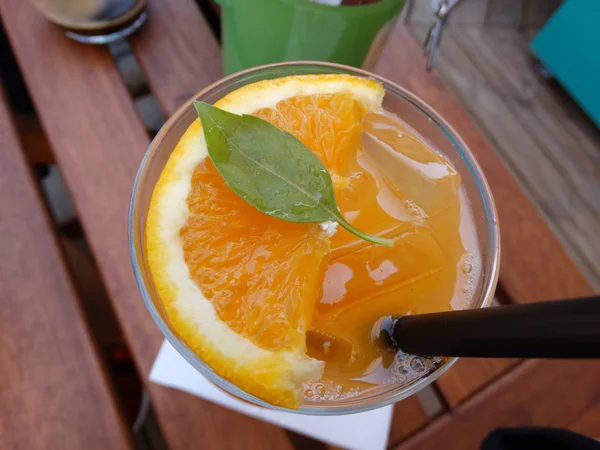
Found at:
<point>95,21</point>
<point>256,32</point>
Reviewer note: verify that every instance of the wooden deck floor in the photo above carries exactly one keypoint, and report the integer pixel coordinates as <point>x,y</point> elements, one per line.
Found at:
<point>552,148</point>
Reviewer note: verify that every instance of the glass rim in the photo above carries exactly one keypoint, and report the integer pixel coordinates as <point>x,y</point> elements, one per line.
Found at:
<point>362,403</point>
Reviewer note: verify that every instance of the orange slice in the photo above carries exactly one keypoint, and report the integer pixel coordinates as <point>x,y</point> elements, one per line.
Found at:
<point>240,287</point>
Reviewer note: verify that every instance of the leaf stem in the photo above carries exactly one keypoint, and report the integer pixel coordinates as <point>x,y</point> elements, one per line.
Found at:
<point>367,237</point>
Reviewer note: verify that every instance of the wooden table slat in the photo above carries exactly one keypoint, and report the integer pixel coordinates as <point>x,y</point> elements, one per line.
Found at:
<point>588,422</point>
<point>469,375</point>
<point>178,52</point>
<point>94,129</point>
<point>557,393</point>
<point>534,265</point>
<point>54,392</point>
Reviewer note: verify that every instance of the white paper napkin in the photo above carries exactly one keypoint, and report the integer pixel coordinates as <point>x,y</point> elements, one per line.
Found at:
<point>362,431</point>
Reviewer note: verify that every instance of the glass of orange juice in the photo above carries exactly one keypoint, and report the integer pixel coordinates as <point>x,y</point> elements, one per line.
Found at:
<point>288,315</point>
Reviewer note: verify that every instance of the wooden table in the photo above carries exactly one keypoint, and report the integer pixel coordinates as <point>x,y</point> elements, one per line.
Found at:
<point>54,392</point>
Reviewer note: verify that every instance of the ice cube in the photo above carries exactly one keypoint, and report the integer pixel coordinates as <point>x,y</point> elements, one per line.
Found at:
<point>415,171</point>
<point>354,276</point>
<point>327,347</point>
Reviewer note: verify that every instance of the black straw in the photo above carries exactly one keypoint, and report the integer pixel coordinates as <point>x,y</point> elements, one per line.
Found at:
<point>556,329</point>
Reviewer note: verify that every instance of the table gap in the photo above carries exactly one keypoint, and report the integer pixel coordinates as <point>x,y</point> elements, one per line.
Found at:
<point>212,13</point>
<point>432,401</point>
<point>501,297</point>
<point>146,428</point>
<point>137,84</point>
<point>18,97</point>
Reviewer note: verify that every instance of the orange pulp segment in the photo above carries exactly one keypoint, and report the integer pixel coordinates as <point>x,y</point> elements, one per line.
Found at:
<point>263,275</point>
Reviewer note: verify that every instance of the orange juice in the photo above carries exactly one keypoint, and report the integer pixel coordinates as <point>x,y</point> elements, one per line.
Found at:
<point>430,268</point>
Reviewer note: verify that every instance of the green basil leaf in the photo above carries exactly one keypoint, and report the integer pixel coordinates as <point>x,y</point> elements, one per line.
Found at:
<point>272,169</point>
